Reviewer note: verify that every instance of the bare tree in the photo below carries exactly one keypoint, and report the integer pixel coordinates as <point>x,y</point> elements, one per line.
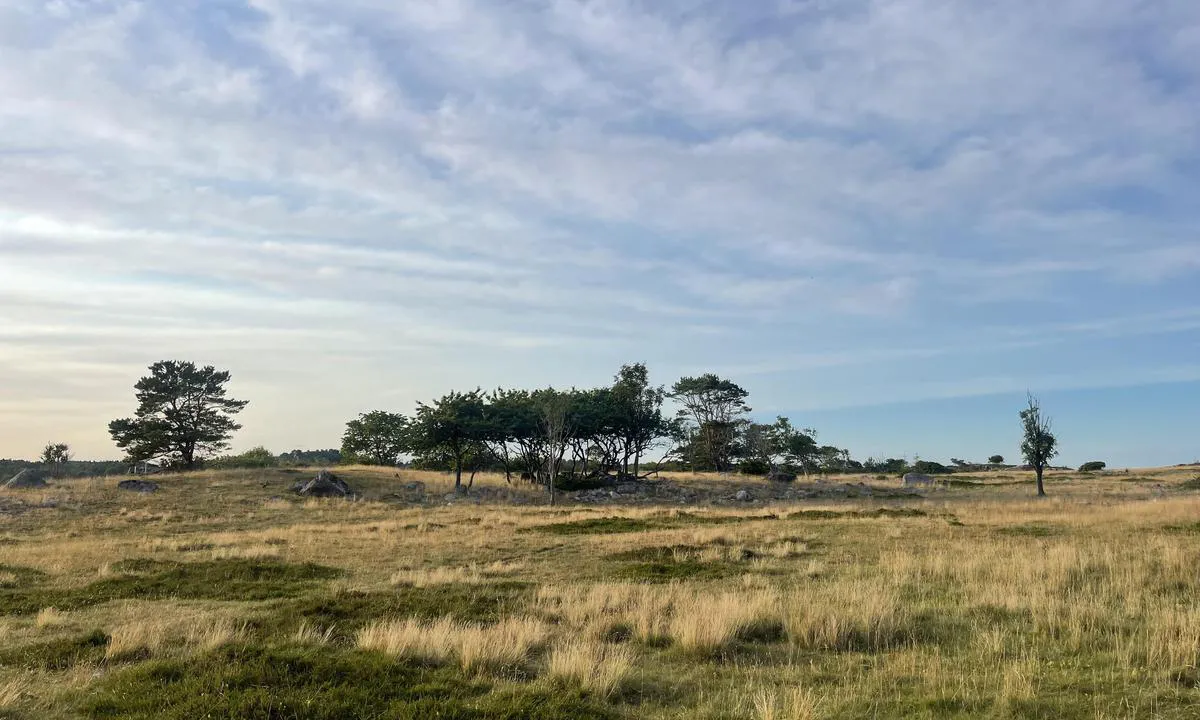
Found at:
<point>1039,446</point>
<point>556,428</point>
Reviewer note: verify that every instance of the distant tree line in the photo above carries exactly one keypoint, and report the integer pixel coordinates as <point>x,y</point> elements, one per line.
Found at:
<point>604,434</point>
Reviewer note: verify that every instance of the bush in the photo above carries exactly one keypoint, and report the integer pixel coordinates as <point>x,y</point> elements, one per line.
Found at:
<point>1093,466</point>
<point>928,467</point>
<point>753,467</point>
<point>258,457</point>
<point>570,483</point>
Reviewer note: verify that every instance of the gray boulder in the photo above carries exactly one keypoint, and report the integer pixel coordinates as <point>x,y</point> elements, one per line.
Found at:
<point>917,480</point>
<point>138,486</point>
<point>743,496</point>
<point>27,478</point>
<point>325,484</point>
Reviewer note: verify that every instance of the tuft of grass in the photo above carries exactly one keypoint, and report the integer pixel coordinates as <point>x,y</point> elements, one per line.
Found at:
<point>797,703</point>
<point>313,635</point>
<point>597,668</point>
<point>150,636</point>
<point>50,617</point>
<point>478,648</point>
<point>12,692</point>
<point>709,624</point>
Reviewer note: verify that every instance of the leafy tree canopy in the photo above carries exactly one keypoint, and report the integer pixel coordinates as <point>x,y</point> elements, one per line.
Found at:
<point>376,438</point>
<point>183,415</point>
<point>1039,445</point>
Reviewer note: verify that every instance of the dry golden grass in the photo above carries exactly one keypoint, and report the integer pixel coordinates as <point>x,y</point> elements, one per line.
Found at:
<point>989,602</point>
<point>49,617</point>
<point>596,667</point>
<point>153,636</point>
<point>11,691</point>
<point>796,703</point>
<point>477,648</point>
<point>470,575</point>
<point>312,635</point>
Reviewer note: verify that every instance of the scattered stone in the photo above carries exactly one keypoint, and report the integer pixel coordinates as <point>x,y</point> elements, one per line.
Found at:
<point>138,486</point>
<point>27,478</point>
<point>627,488</point>
<point>325,484</point>
<point>781,476</point>
<point>416,486</point>
<point>743,496</point>
<point>917,479</point>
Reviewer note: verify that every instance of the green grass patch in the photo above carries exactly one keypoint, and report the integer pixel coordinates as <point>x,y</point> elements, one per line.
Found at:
<point>59,654</point>
<point>316,684</point>
<point>617,525</point>
<point>669,571</point>
<point>1183,529</point>
<point>15,576</point>
<point>668,563</point>
<point>875,514</point>
<point>659,553</point>
<point>1030,530</point>
<point>234,579</point>
<point>349,611</point>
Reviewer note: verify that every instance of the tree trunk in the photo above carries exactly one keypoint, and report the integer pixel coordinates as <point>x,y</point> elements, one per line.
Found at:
<point>458,474</point>
<point>1041,489</point>
<point>637,461</point>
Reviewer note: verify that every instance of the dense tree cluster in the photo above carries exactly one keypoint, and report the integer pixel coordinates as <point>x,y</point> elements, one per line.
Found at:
<point>580,437</point>
<point>535,434</point>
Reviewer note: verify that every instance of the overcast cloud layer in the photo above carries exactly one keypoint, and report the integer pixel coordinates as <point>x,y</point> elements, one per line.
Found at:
<point>360,204</point>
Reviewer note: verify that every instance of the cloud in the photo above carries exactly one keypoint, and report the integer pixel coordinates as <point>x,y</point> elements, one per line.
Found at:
<point>442,191</point>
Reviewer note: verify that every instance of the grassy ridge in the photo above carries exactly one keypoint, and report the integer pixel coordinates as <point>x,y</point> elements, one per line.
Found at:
<point>222,597</point>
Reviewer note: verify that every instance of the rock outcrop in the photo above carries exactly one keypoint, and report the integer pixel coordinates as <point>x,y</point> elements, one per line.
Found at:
<point>325,484</point>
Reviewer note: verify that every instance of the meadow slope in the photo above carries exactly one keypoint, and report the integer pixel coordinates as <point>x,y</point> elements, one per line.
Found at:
<point>225,596</point>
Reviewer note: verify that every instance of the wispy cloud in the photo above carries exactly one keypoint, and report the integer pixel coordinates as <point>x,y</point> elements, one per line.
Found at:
<point>457,192</point>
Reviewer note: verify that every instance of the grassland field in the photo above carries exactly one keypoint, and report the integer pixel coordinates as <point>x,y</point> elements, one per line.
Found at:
<point>224,596</point>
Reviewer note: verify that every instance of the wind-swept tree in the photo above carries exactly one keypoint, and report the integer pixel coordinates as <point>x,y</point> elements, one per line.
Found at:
<point>183,415</point>
<point>780,445</point>
<point>1039,445</point>
<point>55,456</point>
<point>453,428</point>
<point>376,438</point>
<point>716,408</point>
<point>637,413</point>
<point>556,427</point>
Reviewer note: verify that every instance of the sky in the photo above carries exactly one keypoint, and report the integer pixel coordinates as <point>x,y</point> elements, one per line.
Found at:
<point>887,219</point>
